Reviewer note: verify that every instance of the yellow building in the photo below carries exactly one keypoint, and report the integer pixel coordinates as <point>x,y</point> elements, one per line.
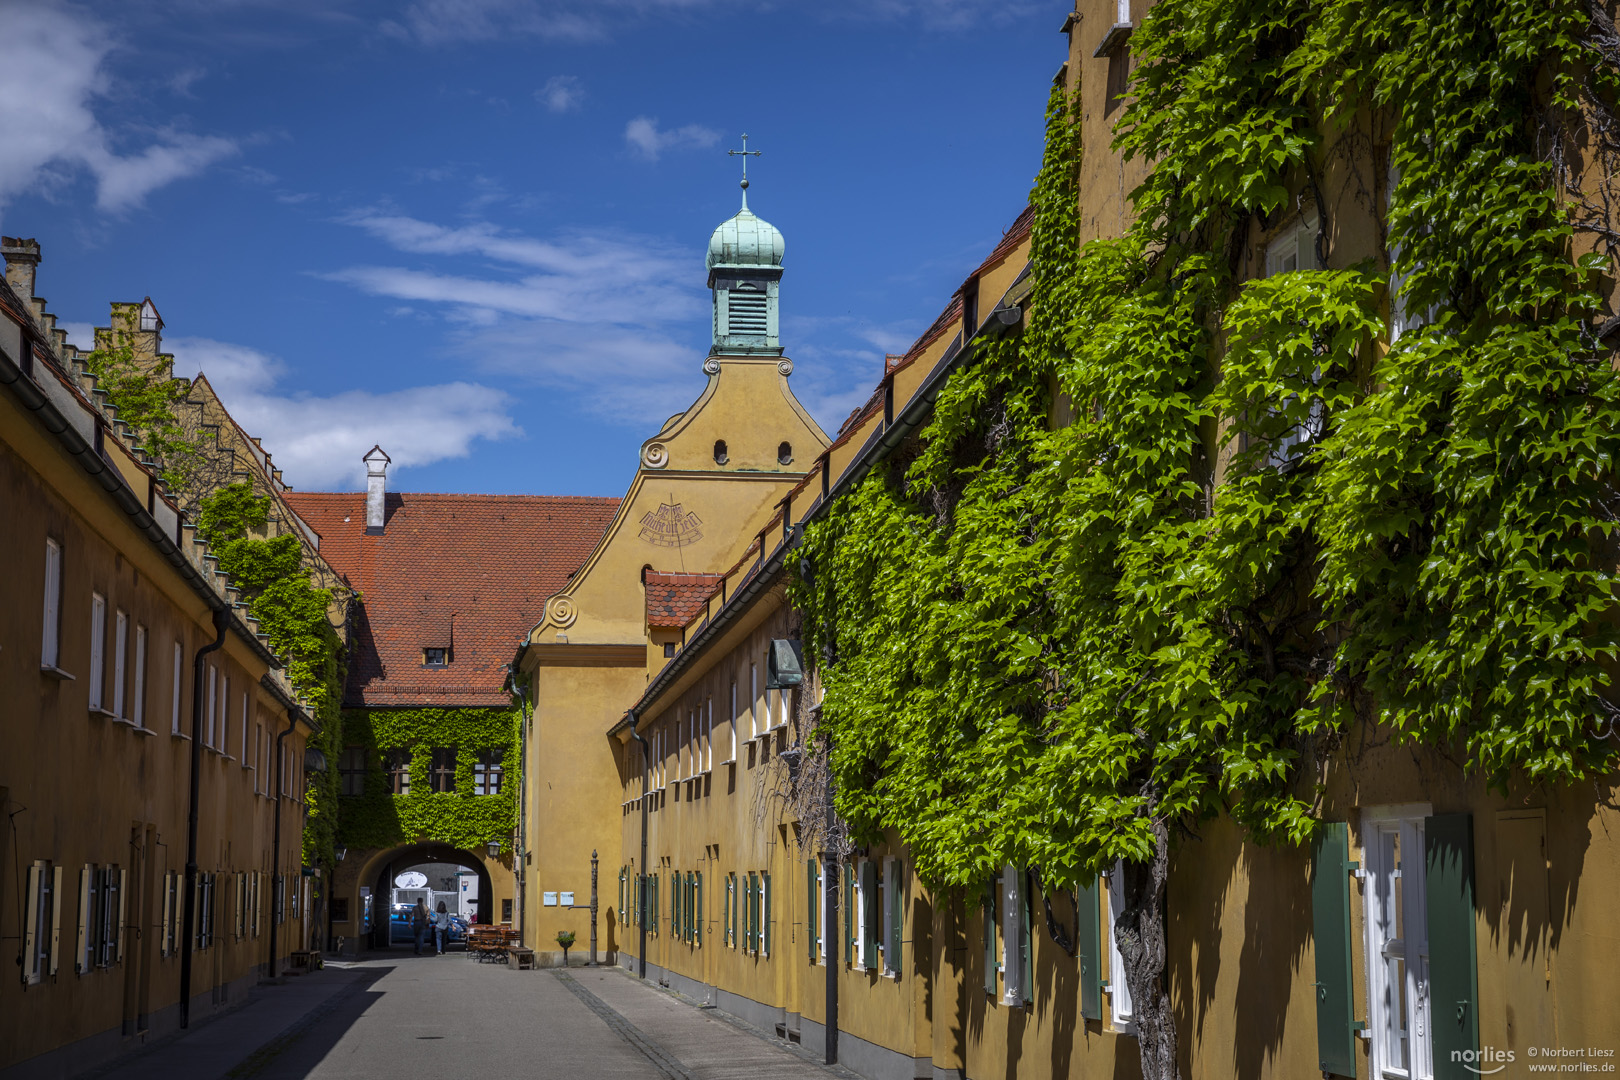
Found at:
<point>707,483</point>
<point>139,695</point>
<point>1281,961</point>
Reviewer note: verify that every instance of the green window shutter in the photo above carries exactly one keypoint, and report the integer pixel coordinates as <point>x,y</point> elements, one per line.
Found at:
<point>697,922</point>
<point>751,912</point>
<point>897,918</point>
<point>1330,918</point>
<point>747,901</point>
<point>652,907</point>
<point>1089,933</point>
<point>989,907</point>
<point>765,923</point>
<point>1448,883</point>
<point>869,913</point>
<point>1026,946</point>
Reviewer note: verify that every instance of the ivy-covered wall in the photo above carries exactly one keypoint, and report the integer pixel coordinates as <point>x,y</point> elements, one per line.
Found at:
<point>379,819</point>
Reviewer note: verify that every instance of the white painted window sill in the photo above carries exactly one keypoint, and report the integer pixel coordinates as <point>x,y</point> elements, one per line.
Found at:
<point>98,710</point>
<point>179,735</point>
<point>56,673</point>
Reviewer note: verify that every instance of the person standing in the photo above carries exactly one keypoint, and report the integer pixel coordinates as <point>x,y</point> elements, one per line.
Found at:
<point>441,927</point>
<point>419,924</point>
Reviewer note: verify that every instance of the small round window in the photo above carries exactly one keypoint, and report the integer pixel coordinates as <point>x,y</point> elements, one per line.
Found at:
<point>720,455</point>
<point>784,454</point>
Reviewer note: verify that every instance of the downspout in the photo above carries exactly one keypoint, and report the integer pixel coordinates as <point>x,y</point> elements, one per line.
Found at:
<point>523,793</point>
<point>275,844</point>
<point>641,876</point>
<point>222,621</point>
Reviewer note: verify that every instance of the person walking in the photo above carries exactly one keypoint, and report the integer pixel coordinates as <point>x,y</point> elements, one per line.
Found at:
<point>441,927</point>
<point>419,924</point>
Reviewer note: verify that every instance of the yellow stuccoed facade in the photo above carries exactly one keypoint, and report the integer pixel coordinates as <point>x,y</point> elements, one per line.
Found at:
<point>105,606</point>
<point>686,511</point>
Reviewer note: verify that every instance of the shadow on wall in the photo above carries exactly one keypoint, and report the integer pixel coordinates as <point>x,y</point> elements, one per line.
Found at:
<point>1270,886</point>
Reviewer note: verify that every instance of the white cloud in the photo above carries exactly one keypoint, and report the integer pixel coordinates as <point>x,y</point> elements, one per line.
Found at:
<point>645,139</point>
<point>317,441</point>
<point>562,93</point>
<point>52,73</point>
<point>594,316</point>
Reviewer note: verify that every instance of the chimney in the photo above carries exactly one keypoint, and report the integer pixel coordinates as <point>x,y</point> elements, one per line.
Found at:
<point>21,256</point>
<point>376,488</point>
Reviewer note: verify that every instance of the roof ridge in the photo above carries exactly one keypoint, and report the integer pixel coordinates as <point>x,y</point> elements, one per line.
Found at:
<point>455,495</point>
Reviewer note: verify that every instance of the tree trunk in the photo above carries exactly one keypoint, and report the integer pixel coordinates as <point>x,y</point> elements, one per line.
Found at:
<point>1139,930</point>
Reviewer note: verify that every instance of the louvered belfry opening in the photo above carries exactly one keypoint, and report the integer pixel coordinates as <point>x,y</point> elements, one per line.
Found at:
<point>747,309</point>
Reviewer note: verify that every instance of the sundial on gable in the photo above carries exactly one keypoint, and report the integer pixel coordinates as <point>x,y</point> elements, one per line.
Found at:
<point>670,526</point>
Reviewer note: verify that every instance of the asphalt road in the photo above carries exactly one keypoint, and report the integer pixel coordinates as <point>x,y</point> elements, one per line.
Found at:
<point>450,1016</point>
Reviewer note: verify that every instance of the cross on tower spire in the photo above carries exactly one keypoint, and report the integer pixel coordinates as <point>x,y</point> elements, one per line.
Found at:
<point>745,154</point>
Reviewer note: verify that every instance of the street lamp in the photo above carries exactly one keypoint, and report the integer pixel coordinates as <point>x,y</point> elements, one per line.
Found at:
<point>494,849</point>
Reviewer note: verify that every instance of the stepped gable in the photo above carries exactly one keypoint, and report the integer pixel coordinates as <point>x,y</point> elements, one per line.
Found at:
<point>674,599</point>
<point>470,573</point>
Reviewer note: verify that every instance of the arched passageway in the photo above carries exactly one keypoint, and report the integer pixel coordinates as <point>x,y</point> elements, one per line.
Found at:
<point>385,866</point>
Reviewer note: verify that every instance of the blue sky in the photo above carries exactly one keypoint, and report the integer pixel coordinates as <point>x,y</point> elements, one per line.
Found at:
<point>473,230</point>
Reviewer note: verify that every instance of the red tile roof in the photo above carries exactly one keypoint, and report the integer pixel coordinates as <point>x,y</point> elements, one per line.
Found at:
<point>469,571</point>
<point>673,599</point>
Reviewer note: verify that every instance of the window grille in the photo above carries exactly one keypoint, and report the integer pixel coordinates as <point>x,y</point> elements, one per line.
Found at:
<point>352,771</point>
<point>399,772</point>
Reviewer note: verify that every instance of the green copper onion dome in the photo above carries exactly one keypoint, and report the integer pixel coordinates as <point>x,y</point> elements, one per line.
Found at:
<point>745,240</point>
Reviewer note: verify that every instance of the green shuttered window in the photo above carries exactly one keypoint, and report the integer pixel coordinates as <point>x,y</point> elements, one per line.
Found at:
<point>1089,934</point>
<point>1448,869</point>
<point>1330,917</point>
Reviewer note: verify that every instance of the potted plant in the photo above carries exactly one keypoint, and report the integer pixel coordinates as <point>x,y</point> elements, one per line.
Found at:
<point>565,938</point>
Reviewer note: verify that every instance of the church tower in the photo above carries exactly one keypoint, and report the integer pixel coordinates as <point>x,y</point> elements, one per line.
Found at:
<point>745,270</point>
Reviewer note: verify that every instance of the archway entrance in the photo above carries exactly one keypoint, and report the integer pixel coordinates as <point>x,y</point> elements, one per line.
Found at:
<point>426,856</point>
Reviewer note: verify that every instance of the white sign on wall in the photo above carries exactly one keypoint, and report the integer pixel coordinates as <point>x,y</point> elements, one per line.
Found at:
<point>568,899</point>
<point>549,899</point>
<point>411,879</point>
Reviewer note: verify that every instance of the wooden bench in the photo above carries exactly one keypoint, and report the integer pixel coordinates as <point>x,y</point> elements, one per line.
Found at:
<point>519,958</point>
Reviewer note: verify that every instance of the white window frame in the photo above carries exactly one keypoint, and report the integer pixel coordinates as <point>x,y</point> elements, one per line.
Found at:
<point>753,699</point>
<point>242,747</point>
<point>733,721</point>
<point>708,738</point>
<point>1387,1021</point>
<point>50,647</point>
<point>1291,251</point>
<point>43,915</point>
<point>1122,1016</point>
<point>858,891</point>
<point>1012,936</point>
<point>827,945</point>
<point>222,738</point>
<point>174,697</point>
<point>213,700</point>
<point>138,706</point>
<point>98,650</point>
<point>120,661</point>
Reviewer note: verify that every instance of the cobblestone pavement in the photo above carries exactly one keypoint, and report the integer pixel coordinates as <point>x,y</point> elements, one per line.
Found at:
<point>393,1016</point>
